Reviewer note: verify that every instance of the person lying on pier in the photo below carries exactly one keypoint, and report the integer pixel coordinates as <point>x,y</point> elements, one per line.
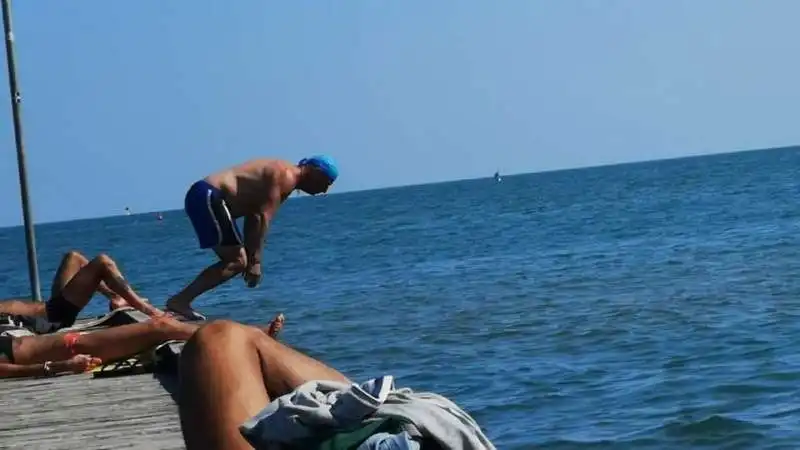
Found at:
<point>228,374</point>
<point>239,390</point>
<point>77,352</point>
<point>76,281</point>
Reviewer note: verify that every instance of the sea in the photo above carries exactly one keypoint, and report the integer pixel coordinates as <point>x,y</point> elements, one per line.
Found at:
<point>639,306</point>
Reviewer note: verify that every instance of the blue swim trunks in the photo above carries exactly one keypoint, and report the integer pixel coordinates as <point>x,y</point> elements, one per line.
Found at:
<point>210,217</point>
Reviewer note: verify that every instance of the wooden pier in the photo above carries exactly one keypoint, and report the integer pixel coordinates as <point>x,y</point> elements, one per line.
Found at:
<point>93,412</point>
<point>82,412</point>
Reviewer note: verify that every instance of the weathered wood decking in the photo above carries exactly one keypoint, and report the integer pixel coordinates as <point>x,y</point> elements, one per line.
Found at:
<point>81,412</point>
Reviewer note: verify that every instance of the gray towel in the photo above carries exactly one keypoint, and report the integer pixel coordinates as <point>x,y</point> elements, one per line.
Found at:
<point>318,410</point>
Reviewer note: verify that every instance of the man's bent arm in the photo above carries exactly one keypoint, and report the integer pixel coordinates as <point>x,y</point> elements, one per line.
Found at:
<point>255,232</point>
<point>256,226</point>
<point>19,307</point>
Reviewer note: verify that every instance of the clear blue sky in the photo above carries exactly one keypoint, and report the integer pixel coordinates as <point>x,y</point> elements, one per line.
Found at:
<point>127,103</point>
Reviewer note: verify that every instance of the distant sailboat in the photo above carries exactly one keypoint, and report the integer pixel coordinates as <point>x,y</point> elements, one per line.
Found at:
<point>127,211</point>
<point>497,177</point>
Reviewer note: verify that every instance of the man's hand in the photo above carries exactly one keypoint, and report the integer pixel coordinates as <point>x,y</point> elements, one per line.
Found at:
<point>252,275</point>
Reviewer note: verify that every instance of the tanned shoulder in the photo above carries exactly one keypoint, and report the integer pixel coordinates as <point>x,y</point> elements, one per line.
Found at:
<point>286,180</point>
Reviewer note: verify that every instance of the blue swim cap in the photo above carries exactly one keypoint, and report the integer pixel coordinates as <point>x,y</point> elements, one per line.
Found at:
<point>323,163</point>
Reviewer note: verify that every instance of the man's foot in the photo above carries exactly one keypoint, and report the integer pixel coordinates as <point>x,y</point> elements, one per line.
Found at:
<point>182,311</point>
<point>275,326</point>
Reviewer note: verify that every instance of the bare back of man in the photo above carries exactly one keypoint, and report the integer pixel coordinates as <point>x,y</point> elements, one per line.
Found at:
<point>247,187</point>
<point>253,190</point>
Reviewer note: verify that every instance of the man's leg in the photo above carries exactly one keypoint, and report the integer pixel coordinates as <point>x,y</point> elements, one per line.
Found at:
<point>112,344</point>
<point>79,290</point>
<point>109,344</point>
<point>216,229</point>
<point>232,262</point>
<point>72,262</point>
<point>228,373</point>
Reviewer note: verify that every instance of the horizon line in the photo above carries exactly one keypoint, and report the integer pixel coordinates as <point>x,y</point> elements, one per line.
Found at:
<point>456,180</point>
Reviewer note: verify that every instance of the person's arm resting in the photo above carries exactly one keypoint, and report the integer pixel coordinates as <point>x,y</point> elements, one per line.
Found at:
<point>256,226</point>
<point>8,370</point>
<point>48,369</point>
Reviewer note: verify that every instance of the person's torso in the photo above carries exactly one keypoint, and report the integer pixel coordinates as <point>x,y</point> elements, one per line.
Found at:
<point>246,187</point>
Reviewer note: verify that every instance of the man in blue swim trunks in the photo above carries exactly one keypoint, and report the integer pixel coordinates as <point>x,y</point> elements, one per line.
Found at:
<point>253,190</point>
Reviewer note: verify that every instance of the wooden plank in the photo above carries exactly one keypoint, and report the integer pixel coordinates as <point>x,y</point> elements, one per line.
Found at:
<point>80,412</point>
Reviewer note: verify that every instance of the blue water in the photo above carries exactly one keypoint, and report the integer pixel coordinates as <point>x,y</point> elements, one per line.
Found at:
<point>637,306</point>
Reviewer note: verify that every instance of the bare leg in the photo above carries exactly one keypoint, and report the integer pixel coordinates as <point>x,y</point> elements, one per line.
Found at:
<point>81,287</point>
<point>72,262</point>
<point>109,345</point>
<point>229,372</point>
<point>233,261</point>
<point>78,293</point>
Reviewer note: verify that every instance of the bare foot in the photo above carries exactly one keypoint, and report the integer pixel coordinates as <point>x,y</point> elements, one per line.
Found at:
<point>275,326</point>
<point>184,311</point>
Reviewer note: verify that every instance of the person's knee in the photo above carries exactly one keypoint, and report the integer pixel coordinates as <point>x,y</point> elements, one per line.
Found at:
<point>220,331</point>
<point>217,334</point>
<point>236,262</point>
<point>73,256</point>
<point>238,265</point>
<point>220,385</point>
<point>212,340</point>
<point>104,261</point>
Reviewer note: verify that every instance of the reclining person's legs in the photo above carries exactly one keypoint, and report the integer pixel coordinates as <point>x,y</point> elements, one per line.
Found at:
<point>228,373</point>
<point>73,286</point>
<point>78,291</point>
<point>109,344</point>
<point>71,263</point>
<point>112,344</point>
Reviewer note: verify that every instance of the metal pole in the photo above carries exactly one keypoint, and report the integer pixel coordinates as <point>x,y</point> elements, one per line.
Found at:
<point>16,100</point>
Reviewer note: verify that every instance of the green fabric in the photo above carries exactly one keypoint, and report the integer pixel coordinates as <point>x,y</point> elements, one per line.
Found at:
<point>352,439</point>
